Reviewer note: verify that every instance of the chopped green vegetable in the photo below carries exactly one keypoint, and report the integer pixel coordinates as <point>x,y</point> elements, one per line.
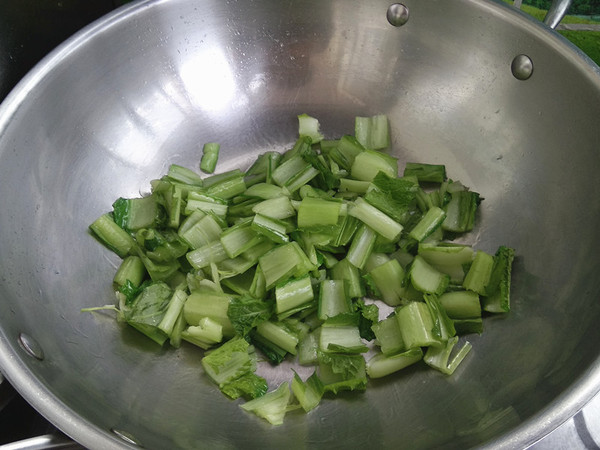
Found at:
<point>341,337</point>
<point>206,334</point>
<point>342,372</point>
<point>373,132</point>
<point>134,213</point>
<point>131,269</point>
<point>460,211</point>
<point>369,163</point>
<point>112,236</point>
<point>437,357</point>
<point>417,325</point>
<point>479,274</point>
<point>293,294</point>
<point>147,310</point>
<point>381,364</point>
<point>434,173</point>
<point>308,392</point>
<point>271,406</point>
<point>388,335</point>
<point>427,279</point>
<point>497,291</point>
<point>272,265</point>
<point>246,312</point>
<point>279,334</point>
<point>248,385</point>
<point>210,155</point>
<point>374,218</point>
<point>229,361</point>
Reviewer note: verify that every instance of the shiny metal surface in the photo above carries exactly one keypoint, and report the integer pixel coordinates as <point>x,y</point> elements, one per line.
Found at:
<point>558,10</point>
<point>45,442</point>
<point>145,87</point>
<point>522,67</point>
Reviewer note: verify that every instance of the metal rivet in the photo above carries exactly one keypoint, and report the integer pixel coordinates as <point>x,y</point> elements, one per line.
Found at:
<point>521,67</point>
<point>31,347</point>
<point>125,436</point>
<point>397,14</point>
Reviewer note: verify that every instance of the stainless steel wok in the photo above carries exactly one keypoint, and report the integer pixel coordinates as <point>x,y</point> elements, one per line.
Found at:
<point>144,87</point>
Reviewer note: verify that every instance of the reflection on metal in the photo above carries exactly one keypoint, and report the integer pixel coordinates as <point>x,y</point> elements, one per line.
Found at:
<point>557,11</point>
<point>31,347</point>
<point>397,14</point>
<point>125,436</point>
<point>522,67</point>
<point>45,442</point>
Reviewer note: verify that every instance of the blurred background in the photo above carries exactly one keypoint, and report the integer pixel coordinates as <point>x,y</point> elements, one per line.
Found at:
<point>581,26</point>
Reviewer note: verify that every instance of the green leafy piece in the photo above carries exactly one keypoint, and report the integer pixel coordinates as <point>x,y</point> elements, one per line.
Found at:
<point>249,385</point>
<point>497,291</point>
<point>147,310</point>
<point>277,260</point>
<point>394,196</point>
<point>344,152</point>
<point>134,213</point>
<point>325,179</point>
<point>433,173</point>
<point>161,246</point>
<point>368,316</point>
<point>158,270</point>
<point>341,338</point>
<point>309,392</point>
<point>229,361</point>
<point>131,291</point>
<point>245,313</point>
<point>342,372</point>
<point>443,326</point>
<point>271,406</point>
